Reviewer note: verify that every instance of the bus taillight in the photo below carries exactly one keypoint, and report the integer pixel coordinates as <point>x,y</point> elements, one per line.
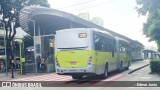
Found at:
<point>57,63</point>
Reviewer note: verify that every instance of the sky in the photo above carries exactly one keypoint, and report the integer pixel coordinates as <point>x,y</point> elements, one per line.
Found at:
<point>118,15</point>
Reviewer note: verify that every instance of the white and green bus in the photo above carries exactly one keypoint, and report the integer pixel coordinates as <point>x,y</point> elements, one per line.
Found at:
<point>84,51</point>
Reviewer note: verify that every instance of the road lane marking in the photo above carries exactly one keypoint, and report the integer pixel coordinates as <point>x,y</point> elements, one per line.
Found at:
<point>146,77</point>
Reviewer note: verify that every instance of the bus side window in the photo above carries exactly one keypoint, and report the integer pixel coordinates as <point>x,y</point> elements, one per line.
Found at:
<point>97,42</point>
<point>115,49</point>
<point>121,47</point>
<point>107,45</point>
<point>104,45</point>
<point>100,43</point>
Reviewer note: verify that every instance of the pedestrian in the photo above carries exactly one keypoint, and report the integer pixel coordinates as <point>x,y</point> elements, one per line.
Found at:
<point>39,61</point>
<point>43,63</point>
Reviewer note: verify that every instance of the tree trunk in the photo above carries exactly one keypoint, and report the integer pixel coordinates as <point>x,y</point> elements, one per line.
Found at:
<point>9,53</point>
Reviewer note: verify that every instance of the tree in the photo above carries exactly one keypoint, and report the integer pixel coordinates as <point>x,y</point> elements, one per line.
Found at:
<point>151,28</point>
<point>10,10</point>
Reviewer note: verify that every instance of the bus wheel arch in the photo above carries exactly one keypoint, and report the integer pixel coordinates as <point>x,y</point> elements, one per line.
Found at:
<point>105,74</point>
<point>121,67</point>
<point>127,68</point>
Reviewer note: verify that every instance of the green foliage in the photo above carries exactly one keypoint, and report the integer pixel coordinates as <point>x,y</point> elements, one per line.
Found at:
<point>28,41</point>
<point>151,8</point>
<point>145,6</point>
<point>155,65</point>
<point>10,10</point>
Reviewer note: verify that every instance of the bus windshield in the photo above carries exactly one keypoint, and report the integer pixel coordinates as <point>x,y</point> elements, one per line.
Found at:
<point>72,40</point>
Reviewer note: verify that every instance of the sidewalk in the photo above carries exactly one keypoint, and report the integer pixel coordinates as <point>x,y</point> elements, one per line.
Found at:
<point>134,66</point>
<point>17,75</point>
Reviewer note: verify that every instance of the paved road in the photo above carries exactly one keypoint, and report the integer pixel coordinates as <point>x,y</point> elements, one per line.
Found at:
<point>143,74</point>
<point>55,77</point>
<point>140,75</point>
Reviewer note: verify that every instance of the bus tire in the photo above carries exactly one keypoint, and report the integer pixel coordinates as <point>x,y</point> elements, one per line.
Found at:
<point>105,74</point>
<point>77,77</point>
<point>127,68</point>
<point>121,68</point>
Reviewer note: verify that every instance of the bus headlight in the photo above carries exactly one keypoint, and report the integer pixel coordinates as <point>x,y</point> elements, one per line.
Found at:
<point>57,63</point>
<point>90,60</point>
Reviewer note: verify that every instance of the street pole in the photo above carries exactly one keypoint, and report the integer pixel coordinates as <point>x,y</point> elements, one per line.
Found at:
<point>20,52</point>
<point>12,53</point>
<point>20,55</point>
<point>33,21</point>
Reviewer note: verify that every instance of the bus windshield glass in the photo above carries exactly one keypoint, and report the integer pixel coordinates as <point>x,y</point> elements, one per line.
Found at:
<point>72,40</point>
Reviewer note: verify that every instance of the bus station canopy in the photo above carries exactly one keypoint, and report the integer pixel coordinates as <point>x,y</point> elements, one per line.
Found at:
<point>48,20</point>
<point>149,50</point>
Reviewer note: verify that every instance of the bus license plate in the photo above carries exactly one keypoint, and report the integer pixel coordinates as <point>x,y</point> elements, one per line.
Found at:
<point>73,63</point>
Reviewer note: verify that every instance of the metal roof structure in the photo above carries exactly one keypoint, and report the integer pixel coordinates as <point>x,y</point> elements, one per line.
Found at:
<point>48,20</point>
<point>149,50</point>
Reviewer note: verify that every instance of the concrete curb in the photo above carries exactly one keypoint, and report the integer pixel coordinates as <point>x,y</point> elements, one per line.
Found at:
<point>137,69</point>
